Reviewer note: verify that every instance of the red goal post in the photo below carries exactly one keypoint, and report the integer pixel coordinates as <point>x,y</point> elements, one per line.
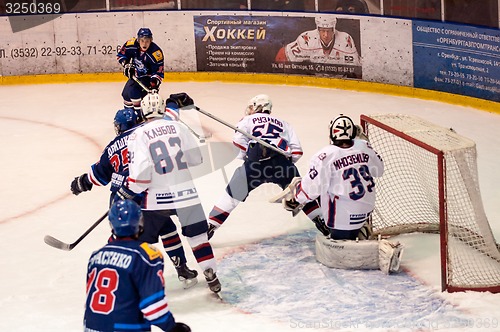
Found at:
<point>430,184</point>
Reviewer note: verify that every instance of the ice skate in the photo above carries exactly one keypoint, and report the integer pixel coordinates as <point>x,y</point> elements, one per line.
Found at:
<point>212,280</point>
<point>187,276</point>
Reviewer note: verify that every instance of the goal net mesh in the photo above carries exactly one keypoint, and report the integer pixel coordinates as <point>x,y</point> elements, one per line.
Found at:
<point>430,184</point>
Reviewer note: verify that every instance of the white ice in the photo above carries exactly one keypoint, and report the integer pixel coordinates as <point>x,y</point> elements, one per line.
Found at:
<point>271,281</point>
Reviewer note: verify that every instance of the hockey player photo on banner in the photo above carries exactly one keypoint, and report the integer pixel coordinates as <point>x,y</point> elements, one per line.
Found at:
<point>323,45</point>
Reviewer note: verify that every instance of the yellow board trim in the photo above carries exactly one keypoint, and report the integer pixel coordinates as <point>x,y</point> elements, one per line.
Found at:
<point>252,78</point>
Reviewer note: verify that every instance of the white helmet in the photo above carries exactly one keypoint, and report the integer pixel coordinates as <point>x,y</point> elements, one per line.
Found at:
<point>342,129</point>
<point>329,21</point>
<point>153,106</point>
<point>259,104</point>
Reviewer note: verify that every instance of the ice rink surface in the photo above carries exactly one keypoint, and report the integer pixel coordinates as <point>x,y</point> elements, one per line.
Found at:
<point>270,278</point>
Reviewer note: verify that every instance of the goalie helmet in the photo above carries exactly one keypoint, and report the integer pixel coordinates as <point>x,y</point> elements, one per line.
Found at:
<point>152,106</point>
<point>259,104</point>
<point>125,218</point>
<point>124,120</point>
<point>342,129</point>
<point>327,22</point>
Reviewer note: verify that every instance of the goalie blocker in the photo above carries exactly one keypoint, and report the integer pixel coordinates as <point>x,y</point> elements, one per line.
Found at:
<point>359,255</point>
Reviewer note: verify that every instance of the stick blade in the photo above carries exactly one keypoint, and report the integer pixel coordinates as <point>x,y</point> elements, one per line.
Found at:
<point>53,242</point>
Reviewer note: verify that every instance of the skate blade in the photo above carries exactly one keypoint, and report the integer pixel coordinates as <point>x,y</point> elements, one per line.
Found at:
<point>188,283</point>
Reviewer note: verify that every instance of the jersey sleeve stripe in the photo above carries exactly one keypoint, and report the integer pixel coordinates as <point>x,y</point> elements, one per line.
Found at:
<point>139,181</point>
<point>156,310</point>
<point>241,147</point>
<point>151,299</point>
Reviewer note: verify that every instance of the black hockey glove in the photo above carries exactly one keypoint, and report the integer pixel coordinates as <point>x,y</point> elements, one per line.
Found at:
<point>129,70</point>
<point>293,206</point>
<point>320,225</point>
<point>154,83</point>
<point>80,184</point>
<point>125,193</point>
<point>180,100</point>
<point>181,327</point>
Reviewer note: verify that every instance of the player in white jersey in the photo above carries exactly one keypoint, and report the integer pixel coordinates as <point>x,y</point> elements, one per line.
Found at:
<point>161,153</point>
<point>261,164</point>
<point>325,45</point>
<point>341,175</point>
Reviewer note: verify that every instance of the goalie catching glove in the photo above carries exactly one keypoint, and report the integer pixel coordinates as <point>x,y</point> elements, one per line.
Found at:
<point>80,184</point>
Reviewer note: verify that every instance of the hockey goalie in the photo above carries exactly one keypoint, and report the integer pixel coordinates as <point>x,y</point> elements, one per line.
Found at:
<point>341,177</point>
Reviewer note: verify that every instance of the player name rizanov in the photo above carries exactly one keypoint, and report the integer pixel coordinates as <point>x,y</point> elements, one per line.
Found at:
<point>357,158</point>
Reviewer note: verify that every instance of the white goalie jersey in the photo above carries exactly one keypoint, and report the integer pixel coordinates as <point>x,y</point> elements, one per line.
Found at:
<point>343,178</point>
<point>307,47</point>
<point>161,152</point>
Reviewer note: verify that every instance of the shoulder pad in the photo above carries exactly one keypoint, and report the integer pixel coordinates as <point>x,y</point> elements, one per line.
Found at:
<point>152,251</point>
<point>130,42</point>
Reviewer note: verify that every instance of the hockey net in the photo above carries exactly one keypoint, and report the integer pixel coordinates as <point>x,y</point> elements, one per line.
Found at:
<point>430,184</point>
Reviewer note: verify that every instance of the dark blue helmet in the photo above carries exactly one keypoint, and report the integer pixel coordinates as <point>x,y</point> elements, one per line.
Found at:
<point>125,218</point>
<point>144,32</point>
<point>125,119</point>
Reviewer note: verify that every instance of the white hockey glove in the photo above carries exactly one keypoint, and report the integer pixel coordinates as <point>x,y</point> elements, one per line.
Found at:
<point>361,134</point>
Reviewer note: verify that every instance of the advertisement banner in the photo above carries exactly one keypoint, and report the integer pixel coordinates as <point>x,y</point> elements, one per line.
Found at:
<point>322,45</point>
<point>457,59</point>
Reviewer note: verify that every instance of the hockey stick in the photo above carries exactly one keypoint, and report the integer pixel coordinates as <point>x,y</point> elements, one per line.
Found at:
<point>53,242</point>
<point>201,138</point>
<point>260,141</point>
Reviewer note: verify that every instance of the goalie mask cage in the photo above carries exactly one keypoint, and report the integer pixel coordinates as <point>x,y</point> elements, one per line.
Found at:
<point>430,184</point>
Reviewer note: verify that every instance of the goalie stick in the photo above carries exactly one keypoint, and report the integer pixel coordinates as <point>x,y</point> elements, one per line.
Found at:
<point>53,242</point>
<point>201,138</point>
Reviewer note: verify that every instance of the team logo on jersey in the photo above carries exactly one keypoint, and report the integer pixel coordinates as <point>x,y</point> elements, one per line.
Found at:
<point>152,252</point>
<point>158,55</point>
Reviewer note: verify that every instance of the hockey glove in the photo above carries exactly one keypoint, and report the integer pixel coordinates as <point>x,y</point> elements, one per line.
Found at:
<point>181,327</point>
<point>80,184</point>
<point>180,100</point>
<point>125,193</point>
<point>292,205</point>
<point>129,70</point>
<point>154,83</point>
<point>320,225</point>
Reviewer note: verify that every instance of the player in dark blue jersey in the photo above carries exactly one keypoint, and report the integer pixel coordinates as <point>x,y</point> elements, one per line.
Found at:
<point>112,168</point>
<point>142,58</point>
<point>125,284</point>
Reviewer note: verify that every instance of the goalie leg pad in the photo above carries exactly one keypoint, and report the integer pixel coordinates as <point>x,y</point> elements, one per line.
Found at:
<point>390,255</point>
<point>347,254</point>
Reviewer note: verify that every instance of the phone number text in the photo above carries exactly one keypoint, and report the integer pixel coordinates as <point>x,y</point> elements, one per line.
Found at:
<point>60,51</point>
